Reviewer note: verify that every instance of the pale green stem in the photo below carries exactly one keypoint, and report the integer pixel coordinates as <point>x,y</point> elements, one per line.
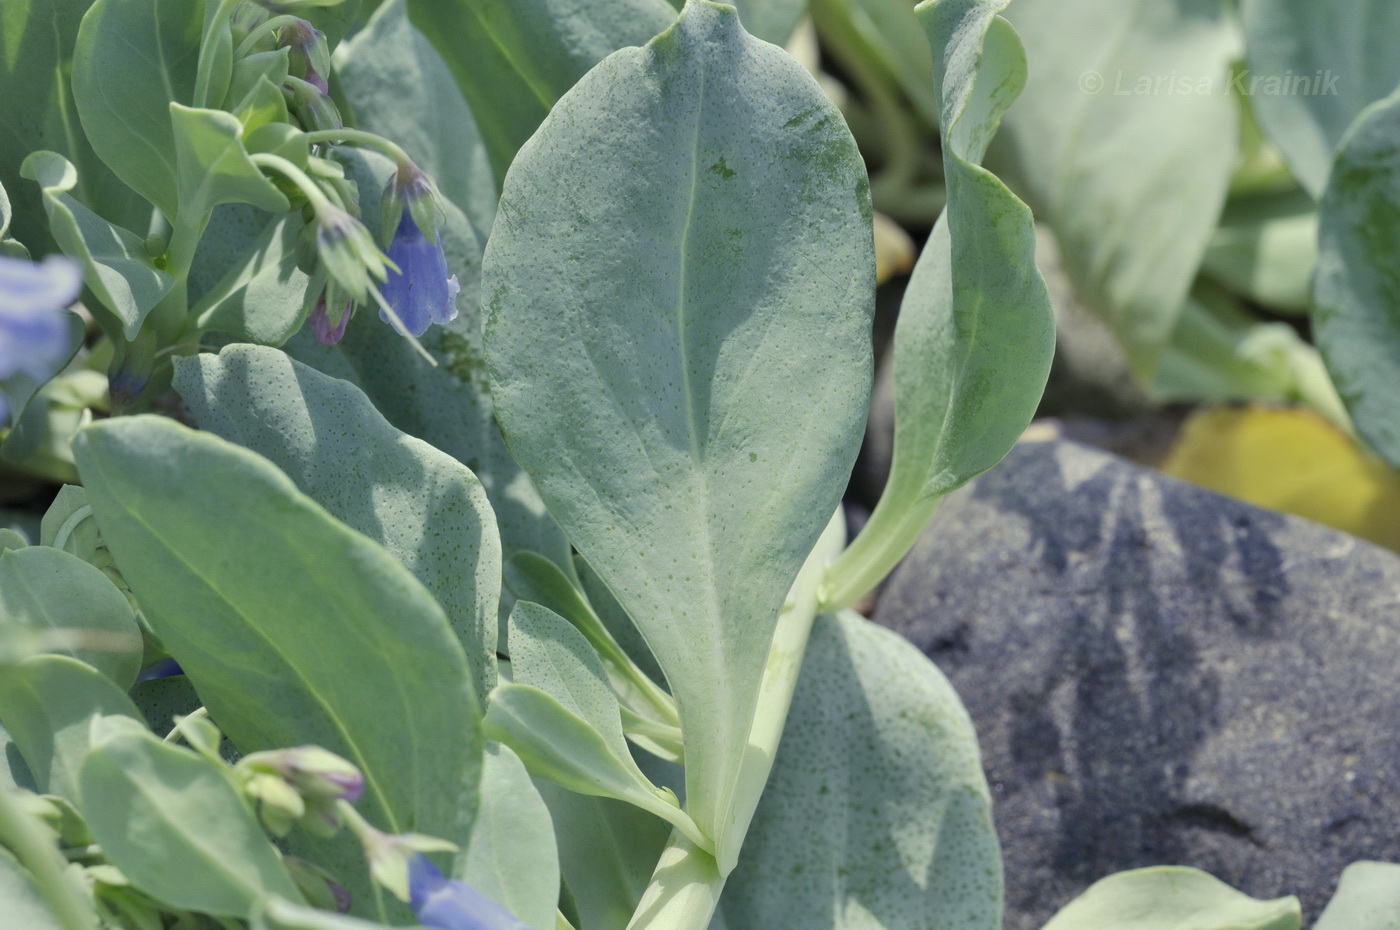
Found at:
<point>894,527</point>
<point>61,889</point>
<point>360,137</point>
<point>66,530</point>
<point>195,714</point>
<point>317,197</point>
<point>684,890</point>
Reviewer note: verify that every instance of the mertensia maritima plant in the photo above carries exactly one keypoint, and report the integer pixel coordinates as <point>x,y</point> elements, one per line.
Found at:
<point>453,444</point>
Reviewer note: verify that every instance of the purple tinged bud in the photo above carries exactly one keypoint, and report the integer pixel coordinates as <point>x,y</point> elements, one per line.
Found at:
<point>329,331</point>
<point>447,904</point>
<point>318,886</point>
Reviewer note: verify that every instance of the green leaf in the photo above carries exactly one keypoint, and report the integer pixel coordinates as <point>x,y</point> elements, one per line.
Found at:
<point>421,505</point>
<point>1172,898</point>
<point>22,905</point>
<point>1367,898</point>
<point>37,112</point>
<point>1130,176</point>
<point>557,744</point>
<point>1313,67</point>
<point>45,590</point>
<point>877,813</point>
<point>134,58</point>
<point>397,85</point>
<point>607,851</point>
<point>48,704</point>
<point>723,381</point>
<point>887,40</point>
<point>294,628</point>
<point>1356,318</point>
<point>513,858</point>
<point>1266,249</point>
<point>262,298</point>
<point>548,653</point>
<point>277,914</point>
<point>115,265</point>
<point>514,59</point>
<point>173,822</point>
<point>976,332</point>
<point>213,167</point>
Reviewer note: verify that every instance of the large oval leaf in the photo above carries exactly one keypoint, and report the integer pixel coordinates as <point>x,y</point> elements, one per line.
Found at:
<point>420,504</point>
<point>1313,68</point>
<point>293,628</point>
<point>1368,898</point>
<point>679,292</point>
<point>877,814</point>
<point>1357,292</point>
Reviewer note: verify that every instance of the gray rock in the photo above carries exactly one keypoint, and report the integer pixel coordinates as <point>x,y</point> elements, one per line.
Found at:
<point>1160,675</point>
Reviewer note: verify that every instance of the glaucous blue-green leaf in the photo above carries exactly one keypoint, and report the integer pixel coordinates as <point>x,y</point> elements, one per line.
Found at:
<point>9,248</point>
<point>1367,898</point>
<point>1356,316</point>
<point>173,822</point>
<point>46,591</point>
<point>294,628</point>
<point>1266,249</point>
<point>616,621</point>
<point>213,168</point>
<point>513,857</point>
<point>692,422</point>
<point>427,509</point>
<point>261,299</point>
<point>68,524</point>
<point>116,268</point>
<point>514,59</point>
<point>877,813</point>
<point>397,85</point>
<point>47,704</point>
<point>1313,67</point>
<point>607,851</point>
<point>976,331</point>
<point>1172,898</point>
<point>37,112</point>
<point>1124,142</point>
<point>19,901</point>
<point>133,58</point>
<point>278,914</point>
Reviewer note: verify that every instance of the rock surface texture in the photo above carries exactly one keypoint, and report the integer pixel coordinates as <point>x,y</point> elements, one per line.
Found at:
<point>1160,675</point>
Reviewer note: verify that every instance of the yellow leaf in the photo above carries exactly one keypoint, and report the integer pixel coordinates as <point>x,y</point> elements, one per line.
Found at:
<point>1290,460</point>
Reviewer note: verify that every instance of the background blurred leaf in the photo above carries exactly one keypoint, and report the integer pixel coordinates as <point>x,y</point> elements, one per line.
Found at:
<point>1131,182</point>
<point>1357,314</point>
<point>1342,49</point>
<point>1294,461</point>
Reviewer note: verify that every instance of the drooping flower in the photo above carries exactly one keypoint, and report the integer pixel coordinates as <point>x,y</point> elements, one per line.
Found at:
<point>301,785</point>
<point>34,329</point>
<point>330,331</point>
<point>448,904</point>
<point>422,291</point>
